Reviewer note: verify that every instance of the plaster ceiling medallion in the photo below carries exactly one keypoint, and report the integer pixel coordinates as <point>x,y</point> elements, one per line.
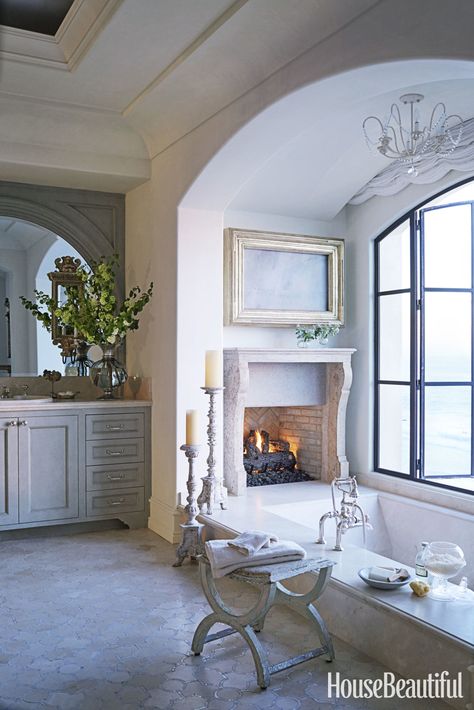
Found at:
<point>411,143</point>
<point>432,168</point>
<point>76,33</point>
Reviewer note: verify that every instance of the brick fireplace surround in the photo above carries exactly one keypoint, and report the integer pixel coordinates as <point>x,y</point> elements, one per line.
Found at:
<point>303,392</point>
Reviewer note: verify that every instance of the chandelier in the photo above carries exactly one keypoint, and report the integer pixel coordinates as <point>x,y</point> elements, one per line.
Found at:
<point>409,144</point>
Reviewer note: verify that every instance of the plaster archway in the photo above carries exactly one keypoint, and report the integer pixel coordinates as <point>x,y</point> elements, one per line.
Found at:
<point>246,159</point>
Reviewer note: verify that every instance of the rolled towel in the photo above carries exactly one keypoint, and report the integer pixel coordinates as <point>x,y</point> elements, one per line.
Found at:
<point>224,559</point>
<point>251,541</point>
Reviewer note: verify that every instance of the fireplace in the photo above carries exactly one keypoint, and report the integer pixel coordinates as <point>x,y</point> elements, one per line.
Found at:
<point>299,398</point>
<point>282,444</point>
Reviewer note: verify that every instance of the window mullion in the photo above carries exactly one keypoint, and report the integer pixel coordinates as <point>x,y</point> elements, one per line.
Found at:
<point>472,338</point>
<point>416,459</point>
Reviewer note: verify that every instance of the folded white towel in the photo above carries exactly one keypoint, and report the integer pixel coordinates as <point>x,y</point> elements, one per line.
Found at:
<point>251,541</point>
<point>224,559</point>
<point>386,574</point>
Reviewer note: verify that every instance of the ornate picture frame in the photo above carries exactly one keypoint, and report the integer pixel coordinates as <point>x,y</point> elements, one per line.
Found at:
<point>278,279</point>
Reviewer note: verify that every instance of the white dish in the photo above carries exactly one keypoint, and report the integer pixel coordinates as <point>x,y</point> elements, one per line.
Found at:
<point>364,575</point>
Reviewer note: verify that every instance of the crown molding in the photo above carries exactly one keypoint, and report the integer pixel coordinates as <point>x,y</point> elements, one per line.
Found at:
<point>78,31</point>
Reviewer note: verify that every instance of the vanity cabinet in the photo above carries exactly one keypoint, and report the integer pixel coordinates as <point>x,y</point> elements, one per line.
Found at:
<point>115,458</point>
<point>39,468</point>
<point>60,464</point>
<point>48,468</point>
<point>8,471</point>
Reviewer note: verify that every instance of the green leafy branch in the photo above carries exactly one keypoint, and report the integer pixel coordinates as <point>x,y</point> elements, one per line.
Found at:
<point>92,310</point>
<point>316,332</point>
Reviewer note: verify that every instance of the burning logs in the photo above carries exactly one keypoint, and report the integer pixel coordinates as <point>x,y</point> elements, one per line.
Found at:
<point>272,455</point>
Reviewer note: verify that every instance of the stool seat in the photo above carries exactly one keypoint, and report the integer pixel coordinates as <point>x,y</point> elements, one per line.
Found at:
<point>265,574</point>
<point>268,579</point>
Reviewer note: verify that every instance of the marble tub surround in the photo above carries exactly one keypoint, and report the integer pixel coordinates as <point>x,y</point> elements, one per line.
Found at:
<point>286,378</point>
<point>413,636</point>
<point>106,636</point>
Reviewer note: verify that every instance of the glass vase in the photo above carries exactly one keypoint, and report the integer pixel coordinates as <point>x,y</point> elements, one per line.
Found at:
<point>108,373</point>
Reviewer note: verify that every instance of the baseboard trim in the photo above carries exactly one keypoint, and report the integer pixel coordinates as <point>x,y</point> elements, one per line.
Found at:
<point>164,520</point>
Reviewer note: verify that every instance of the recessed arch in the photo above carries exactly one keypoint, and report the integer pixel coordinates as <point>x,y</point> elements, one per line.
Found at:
<point>92,222</point>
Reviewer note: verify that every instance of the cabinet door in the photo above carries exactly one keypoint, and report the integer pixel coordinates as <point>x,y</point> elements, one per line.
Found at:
<point>8,471</point>
<point>48,468</point>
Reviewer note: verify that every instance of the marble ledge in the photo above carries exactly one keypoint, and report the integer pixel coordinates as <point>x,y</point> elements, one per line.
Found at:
<point>10,405</point>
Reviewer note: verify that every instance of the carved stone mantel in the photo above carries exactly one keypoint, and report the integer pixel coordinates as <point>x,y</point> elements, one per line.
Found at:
<point>338,372</point>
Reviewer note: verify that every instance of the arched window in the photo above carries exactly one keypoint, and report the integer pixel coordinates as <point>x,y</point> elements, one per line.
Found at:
<point>424,343</point>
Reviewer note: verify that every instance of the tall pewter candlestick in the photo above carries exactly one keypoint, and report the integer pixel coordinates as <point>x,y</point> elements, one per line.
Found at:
<point>191,543</point>
<point>213,490</point>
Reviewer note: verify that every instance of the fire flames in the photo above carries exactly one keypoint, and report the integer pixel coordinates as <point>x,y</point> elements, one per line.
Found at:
<point>272,448</point>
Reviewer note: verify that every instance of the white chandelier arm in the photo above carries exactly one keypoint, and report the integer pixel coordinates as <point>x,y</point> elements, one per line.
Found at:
<point>409,144</point>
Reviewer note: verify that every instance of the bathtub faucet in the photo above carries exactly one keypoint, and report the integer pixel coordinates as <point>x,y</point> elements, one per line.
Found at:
<point>349,516</point>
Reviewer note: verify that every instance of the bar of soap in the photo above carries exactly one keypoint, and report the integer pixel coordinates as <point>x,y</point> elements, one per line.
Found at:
<point>421,589</point>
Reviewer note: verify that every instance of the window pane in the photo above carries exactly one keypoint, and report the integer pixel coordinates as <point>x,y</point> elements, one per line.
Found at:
<point>447,431</point>
<point>448,247</point>
<point>394,259</point>
<point>394,334</point>
<point>394,428</point>
<point>448,337</point>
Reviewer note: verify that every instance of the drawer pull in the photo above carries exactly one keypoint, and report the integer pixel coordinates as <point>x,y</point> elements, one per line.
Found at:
<point>114,478</point>
<point>113,427</point>
<point>22,422</point>
<point>14,422</point>
<point>109,452</point>
<point>115,502</point>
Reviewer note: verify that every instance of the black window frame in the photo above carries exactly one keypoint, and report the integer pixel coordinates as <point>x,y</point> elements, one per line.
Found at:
<point>417,382</point>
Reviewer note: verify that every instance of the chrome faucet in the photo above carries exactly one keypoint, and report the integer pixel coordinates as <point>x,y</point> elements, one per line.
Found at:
<point>351,514</point>
<point>5,393</point>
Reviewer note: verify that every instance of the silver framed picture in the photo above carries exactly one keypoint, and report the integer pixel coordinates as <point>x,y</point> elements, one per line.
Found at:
<point>282,279</point>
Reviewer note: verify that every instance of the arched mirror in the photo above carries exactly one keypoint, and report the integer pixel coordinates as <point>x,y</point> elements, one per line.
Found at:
<point>27,254</point>
<point>38,224</point>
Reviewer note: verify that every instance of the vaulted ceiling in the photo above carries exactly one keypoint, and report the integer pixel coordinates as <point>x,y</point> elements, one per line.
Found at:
<point>121,80</point>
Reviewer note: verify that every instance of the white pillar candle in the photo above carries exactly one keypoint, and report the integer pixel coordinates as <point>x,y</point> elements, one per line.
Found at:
<point>213,368</point>
<point>192,427</point>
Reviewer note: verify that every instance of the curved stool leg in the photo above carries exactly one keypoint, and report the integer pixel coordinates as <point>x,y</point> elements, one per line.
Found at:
<point>199,638</point>
<point>311,613</point>
<point>259,656</point>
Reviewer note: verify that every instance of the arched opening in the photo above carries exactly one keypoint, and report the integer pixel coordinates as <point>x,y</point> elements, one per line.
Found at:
<point>294,168</point>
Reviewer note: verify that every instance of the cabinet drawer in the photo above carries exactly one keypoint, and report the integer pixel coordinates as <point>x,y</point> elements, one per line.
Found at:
<point>114,426</point>
<point>115,476</point>
<point>116,501</point>
<point>104,452</point>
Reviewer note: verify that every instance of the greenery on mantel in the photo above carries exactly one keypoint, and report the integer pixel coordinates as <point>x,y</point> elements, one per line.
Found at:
<point>92,312</point>
<point>320,333</point>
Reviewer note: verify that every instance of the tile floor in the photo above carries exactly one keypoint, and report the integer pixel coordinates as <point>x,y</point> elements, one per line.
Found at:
<point>102,621</point>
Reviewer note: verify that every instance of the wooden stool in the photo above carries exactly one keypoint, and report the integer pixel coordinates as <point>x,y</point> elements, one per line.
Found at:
<point>267,578</point>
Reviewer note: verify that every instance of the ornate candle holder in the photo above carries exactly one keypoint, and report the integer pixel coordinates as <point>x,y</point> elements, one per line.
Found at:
<point>191,543</point>
<point>213,490</point>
